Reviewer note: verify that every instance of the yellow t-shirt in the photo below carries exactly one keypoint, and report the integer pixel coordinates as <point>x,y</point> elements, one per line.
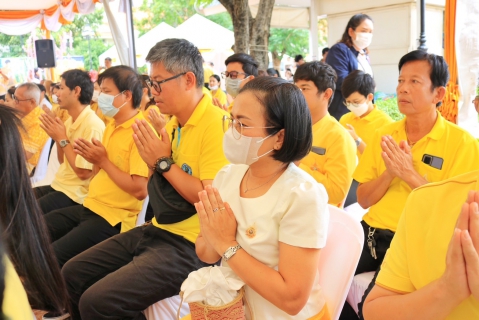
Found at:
<point>59,112</point>
<point>332,159</point>
<point>417,255</point>
<point>458,150</point>
<point>221,96</point>
<point>208,72</point>
<point>198,150</point>
<point>207,93</point>
<point>86,126</point>
<point>33,137</point>
<point>105,119</point>
<point>15,301</point>
<point>366,126</point>
<point>105,198</point>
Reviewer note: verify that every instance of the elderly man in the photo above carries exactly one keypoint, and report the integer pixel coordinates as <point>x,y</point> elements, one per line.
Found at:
<point>27,98</point>
<point>421,148</point>
<point>124,275</point>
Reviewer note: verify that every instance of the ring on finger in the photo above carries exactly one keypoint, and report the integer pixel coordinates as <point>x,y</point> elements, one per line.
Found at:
<point>215,209</point>
<point>222,208</point>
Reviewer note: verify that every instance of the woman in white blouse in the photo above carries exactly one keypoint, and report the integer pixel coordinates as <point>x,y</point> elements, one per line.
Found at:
<point>266,218</point>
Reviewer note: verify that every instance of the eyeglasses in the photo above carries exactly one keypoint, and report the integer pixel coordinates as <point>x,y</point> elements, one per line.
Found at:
<point>18,100</point>
<point>157,84</point>
<point>352,105</point>
<point>232,74</point>
<point>230,122</point>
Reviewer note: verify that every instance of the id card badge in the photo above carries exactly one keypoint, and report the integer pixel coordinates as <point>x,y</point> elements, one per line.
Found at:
<point>319,150</point>
<point>433,161</point>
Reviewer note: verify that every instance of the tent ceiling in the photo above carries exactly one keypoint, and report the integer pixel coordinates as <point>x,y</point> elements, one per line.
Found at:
<point>27,4</point>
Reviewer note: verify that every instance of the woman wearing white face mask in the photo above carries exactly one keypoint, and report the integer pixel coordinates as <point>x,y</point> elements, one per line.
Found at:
<point>350,54</point>
<point>216,92</point>
<point>273,215</point>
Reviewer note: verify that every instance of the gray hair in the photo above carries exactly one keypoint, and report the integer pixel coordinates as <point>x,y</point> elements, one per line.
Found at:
<point>178,56</point>
<point>31,91</point>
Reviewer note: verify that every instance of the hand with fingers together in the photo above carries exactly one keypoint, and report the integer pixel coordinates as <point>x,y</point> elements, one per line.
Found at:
<point>93,152</point>
<point>53,126</point>
<point>352,132</point>
<point>469,226</point>
<point>217,220</point>
<point>217,103</point>
<point>397,158</point>
<point>150,147</point>
<point>157,120</point>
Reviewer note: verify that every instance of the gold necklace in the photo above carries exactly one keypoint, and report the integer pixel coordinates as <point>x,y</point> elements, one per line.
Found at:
<point>409,142</point>
<point>247,178</point>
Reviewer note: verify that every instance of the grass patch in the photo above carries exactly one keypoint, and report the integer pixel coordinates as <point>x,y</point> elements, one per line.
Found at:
<point>390,106</point>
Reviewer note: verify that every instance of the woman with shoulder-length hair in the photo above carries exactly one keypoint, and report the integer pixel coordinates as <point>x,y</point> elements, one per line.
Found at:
<point>349,54</point>
<point>265,217</point>
<point>21,221</point>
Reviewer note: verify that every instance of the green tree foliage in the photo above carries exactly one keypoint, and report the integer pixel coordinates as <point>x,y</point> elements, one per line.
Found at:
<point>12,46</point>
<point>287,41</point>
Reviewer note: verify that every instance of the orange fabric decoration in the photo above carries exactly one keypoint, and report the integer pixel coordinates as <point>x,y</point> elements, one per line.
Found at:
<point>450,108</point>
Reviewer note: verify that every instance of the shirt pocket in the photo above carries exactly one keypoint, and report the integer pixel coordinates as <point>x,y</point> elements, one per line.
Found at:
<point>122,160</point>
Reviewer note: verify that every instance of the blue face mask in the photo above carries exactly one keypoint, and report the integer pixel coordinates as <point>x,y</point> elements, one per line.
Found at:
<point>105,102</point>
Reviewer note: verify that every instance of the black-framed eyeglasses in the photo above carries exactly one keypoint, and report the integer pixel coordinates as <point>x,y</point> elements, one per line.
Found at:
<point>157,84</point>
<point>232,74</point>
<point>230,122</point>
<point>18,100</point>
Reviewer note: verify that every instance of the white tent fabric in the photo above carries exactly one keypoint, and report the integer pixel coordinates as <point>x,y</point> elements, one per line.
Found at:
<point>120,42</point>
<point>155,35</point>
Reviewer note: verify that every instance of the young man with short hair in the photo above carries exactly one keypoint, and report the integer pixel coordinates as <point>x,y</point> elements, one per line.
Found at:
<point>122,276</point>
<point>72,180</point>
<point>332,159</point>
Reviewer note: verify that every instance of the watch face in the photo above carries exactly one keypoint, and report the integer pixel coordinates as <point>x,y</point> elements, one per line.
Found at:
<point>163,164</point>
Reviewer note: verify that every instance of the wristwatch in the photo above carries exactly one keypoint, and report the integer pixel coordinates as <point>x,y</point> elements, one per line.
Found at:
<point>230,252</point>
<point>64,143</point>
<point>358,141</point>
<point>163,164</point>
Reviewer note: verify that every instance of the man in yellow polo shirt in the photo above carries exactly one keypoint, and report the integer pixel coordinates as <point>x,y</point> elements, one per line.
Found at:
<point>332,159</point>
<point>71,182</point>
<point>430,271</point>
<point>364,118</point>
<point>421,148</point>
<point>124,275</point>
<point>116,192</point>
<point>27,98</point>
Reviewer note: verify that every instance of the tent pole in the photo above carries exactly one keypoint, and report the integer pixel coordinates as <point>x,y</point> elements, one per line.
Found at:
<point>131,35</point>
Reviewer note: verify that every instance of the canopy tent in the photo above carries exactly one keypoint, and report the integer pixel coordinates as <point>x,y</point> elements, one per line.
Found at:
<point>21,17</point>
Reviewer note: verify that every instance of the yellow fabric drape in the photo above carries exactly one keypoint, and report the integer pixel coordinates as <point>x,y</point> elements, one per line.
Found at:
<point>450,108</point>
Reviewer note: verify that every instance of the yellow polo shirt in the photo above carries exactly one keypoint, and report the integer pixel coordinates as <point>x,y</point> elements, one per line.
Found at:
<point>86,126</point>
<point>146,113</point>
<point>221,96</point>
<point>207,93</point>
<point>198,150</point>
<point>33,137</point>
<point>458,150</point>
<point>366,126</point>
<point>332,159</point>
<point>104,197</point>
<point>94,106</point>
<point>417,255</point>
<point>15,304</point>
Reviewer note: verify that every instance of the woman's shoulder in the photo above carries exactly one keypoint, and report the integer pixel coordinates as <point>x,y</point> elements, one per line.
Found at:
<point>301,182</point>
<point>229,173</point>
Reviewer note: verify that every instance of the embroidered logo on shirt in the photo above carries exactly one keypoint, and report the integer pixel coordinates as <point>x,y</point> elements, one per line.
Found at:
<point>186,168</point>
<point>251,232</point>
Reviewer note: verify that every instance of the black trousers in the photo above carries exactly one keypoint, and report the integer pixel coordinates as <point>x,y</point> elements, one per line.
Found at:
<point>51,199</point>
<point>122,276</point>
<point>366,264</point>
<point>75,229</point>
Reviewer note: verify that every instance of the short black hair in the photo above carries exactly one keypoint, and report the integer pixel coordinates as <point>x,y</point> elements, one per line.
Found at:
<point>41,87</point>
<point>79,78</point>
<point>324,50</point>
<point>321,74</point>
<point>217,77</point>
<point>272,71</point>
<point>284,108</point>
<point>358,81</point>
<point>125,78</point>
<point>298,57</point>
<point>108,58</point>
<point>250,65</point>
<point>439,70</point>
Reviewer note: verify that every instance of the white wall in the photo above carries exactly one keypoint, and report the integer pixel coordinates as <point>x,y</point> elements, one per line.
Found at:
<point>396,31</point>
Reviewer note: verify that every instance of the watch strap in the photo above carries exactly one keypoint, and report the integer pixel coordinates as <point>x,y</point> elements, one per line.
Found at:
<point>64,143</point>
<point>358,141</point>
<point>230,252</point>
<point>157,163</point>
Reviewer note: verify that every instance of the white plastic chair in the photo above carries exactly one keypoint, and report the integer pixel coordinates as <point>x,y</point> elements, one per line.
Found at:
<point>52,169</point>
<point>356,210</point>
<point>358,287</point>
<point>167,309</point>
<point>339,259</point>
<point>141,216</point>
<point>41,168</point>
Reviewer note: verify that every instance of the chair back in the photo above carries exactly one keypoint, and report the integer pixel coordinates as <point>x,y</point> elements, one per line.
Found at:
<point>41,168</point>
<point>52,169</point>
<point>339,258</point>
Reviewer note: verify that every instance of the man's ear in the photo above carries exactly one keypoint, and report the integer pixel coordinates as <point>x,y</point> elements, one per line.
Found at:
<point>77,92</point>
<point>328,93</point>
<point>440,93</point>
<point>128,96</point>
<point>190,80</point>
<point>251,77</point>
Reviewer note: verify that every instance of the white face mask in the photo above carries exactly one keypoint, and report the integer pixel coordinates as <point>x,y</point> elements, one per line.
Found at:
<point>358,108</point>
<point>55,98</point>
<point>105,102</point>
<point>243,150</point>
<point>96,93</point>
<point>213,88</point>
<point>363,39</point>
<point>233,86</point>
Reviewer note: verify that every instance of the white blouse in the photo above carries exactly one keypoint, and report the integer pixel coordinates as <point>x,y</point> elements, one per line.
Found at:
<point>293,211</point>
<point>363,64</point>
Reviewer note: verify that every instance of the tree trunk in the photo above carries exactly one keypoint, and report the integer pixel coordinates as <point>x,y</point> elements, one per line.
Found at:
<point>240,14</point>
<point>276,60</point>
<point>260,33</point>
